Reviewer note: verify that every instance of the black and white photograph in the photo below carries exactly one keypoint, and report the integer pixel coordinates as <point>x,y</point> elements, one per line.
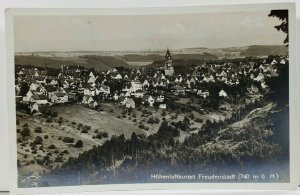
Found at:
<point>199,97</point>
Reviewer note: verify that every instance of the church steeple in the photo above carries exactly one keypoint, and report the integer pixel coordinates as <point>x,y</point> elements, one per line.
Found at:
<point>169,70</point>
<point>168,55</point>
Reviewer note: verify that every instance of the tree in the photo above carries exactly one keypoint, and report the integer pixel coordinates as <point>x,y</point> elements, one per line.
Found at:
<point>78,144</point>
<point>284,26</point>
<point>24,89</point>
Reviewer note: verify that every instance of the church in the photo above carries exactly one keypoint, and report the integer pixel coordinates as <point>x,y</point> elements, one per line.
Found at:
<point>169,69</point>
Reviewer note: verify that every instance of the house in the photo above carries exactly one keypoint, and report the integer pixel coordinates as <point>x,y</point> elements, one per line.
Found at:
<point>118,77</point>
<point>39,99</point>
<point>33,107</point>
<point>95,104</point>
<point>115,97</point>
<point>89,91</point>
<point>203,94</point>
<point>92,79</point>
<point>222,93</point>
<point>50,90</point>
<point>130,103</point>
<point>149,99</point>
<point>163,106</point>
<point>29,94</point>
<point>138,94</point>
<point>274,62</point>
<point>33,86</point>
<point>160,98</point>
<point>178,89</point>
<point>135,86</point>
<point>123,100</point>
<point>253,89</point>
<point>87,99</point>
<point>103,89</point>
<point>145,83</point>
<point>59,98</point>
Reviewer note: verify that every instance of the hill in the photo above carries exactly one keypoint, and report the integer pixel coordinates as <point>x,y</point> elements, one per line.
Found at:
<point>265,50</point>
<point>101,63</point>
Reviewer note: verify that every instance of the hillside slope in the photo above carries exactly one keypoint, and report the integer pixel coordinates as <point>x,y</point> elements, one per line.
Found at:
<point>101,63</point>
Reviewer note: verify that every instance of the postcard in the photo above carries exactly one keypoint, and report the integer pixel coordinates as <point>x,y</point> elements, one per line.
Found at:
<point>152,98</point>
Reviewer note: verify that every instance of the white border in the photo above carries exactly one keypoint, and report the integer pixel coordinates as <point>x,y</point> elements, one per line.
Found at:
<point>10,13</point>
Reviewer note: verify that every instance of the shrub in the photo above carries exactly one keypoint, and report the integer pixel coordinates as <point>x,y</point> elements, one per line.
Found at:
<point>46,137</point>
<point>38,130</point>
<point>65,152</point>
<point>25,125</point>
<point>17,122</point>
<point>78,144</point>
<point>58,159</point>
<point>84,131</point>
<point>153,120</point>
<point>52,146</point>
<point>59,138</point>
<point>25,132</point>
<point>96,131</point>
<point>87,127</point>
<point>198,120</point>
<point>101,135</point>
<point>68,140</point>
<point>49,120</point>
<point>18,130</point>
<point>38,140</point>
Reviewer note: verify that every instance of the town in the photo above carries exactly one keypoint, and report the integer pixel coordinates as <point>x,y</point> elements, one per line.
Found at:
<point>37,88</point>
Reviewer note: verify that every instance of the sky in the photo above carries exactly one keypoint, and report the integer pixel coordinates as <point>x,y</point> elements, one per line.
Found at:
<point>131,32</point>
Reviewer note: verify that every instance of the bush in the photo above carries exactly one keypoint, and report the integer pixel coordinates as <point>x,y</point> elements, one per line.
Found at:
<point>87,127</point>
<point>38,140</point>
<point>25,132</point>
<point>65,152</point>
<point>58,159</point>
<point>78,144</point>
<point>25,125</point>
<point>153,120</point>
<point>38,130</point>
<point>68,140</point>
<point>46,137</point>
<point>18,130</point>
<point>84,131</point>
<point>52,146</point>
<point>198,120</point>
<point>96,131</point>
<point>49,120</point>
<point>101,135</point>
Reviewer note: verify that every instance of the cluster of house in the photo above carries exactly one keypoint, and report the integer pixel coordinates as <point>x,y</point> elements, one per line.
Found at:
<point>129,86</point>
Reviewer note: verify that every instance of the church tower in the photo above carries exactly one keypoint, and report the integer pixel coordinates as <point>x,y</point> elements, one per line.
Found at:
<point>169,69</point>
